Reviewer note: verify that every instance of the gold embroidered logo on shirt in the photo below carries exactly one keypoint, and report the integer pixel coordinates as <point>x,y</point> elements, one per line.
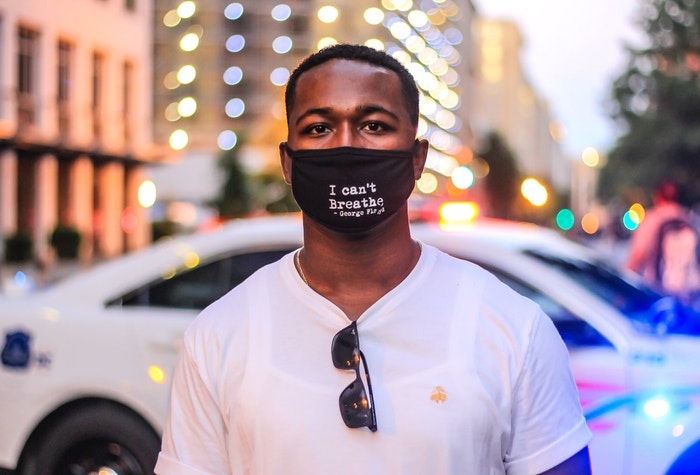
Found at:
<point>439,395</point>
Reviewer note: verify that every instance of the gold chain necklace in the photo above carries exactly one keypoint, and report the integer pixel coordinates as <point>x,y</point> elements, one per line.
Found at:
<point>297,264</point>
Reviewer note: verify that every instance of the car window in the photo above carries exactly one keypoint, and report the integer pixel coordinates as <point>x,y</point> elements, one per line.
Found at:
<point>198,287</point>
<point>628,297</point>
<point>573,330</point>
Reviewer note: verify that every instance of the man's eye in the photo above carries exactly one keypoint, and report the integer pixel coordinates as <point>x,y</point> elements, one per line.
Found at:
<point>318,129</point>
<point>374,126</point>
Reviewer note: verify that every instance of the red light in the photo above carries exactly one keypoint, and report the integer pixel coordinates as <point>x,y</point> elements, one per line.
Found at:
<point>130,220</point>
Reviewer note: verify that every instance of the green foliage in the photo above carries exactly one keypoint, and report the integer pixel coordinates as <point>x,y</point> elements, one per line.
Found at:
<point>242,194</point>
<point>234,199</point>
<point>503,181</point>
<point>657,105</point>
<point>19,247</point>
<point>272,194</point>
<point>65,240</point>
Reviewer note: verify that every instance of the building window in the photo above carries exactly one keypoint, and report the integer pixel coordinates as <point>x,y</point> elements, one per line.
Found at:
<point>27,61</point>
<point>65,77</point>
<point>97,84</point>
<point>126,98</point>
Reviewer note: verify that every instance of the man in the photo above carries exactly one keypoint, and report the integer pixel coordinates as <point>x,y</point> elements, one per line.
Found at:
<point>663,249</point>
<point>466,376</point>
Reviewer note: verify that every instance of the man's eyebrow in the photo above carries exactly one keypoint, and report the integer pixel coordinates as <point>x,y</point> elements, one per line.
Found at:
<point>314,111</point>
<point>371,108</point>
<point>364,109</point>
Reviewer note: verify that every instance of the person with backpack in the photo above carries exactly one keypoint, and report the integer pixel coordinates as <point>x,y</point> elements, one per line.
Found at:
<point>663,249</point>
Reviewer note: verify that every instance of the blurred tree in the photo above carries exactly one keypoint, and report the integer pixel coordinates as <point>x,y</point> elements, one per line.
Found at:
<point>235,198</point>
<point>656,102</point>
<point>502,184</point>
<point>242,194</point>
<point>273,194</point>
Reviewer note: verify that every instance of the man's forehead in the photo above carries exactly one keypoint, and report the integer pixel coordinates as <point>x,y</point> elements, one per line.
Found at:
<point>340,81</point>
<point>342,68</point>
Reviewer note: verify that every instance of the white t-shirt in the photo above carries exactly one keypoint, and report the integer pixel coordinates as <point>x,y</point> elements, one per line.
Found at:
<point>468,378</point>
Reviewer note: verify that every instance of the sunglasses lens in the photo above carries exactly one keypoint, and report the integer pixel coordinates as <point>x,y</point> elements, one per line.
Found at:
<point>355,407</point>
<point>344,349</point>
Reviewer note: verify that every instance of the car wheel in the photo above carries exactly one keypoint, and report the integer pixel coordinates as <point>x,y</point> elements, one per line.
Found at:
<point>100,438</point>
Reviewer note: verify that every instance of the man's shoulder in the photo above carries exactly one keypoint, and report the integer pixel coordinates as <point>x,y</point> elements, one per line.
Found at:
<point>483,287</point>
<point>237,304</point>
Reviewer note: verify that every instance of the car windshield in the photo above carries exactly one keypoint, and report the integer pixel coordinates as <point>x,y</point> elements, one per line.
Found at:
<point>649,310</point>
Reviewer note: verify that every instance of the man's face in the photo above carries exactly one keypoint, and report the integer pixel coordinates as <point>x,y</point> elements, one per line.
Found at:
<point>349,103</point>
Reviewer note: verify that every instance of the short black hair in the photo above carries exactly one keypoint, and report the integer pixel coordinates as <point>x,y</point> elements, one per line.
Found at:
<point>357,53</point>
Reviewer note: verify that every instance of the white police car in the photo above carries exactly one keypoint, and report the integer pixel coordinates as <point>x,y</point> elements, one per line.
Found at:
<point>86,364</point>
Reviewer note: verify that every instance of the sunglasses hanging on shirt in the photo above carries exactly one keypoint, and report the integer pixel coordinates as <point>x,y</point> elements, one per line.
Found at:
<point>356,409</point>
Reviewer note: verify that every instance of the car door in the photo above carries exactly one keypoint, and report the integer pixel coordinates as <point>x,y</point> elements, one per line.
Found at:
<point>160,311</point>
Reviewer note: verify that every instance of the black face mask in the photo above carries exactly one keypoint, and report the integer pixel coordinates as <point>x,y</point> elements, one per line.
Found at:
<point>349,189</point>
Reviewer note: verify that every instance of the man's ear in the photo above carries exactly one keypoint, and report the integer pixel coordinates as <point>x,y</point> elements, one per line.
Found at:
<point>420,157</point>
<point>286,163</point>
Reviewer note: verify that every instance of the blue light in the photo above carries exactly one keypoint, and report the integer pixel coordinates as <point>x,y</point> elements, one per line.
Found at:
<point>21,279</point>
<point>233,11</point>
<point>628,222</point>
<point>657,407</point>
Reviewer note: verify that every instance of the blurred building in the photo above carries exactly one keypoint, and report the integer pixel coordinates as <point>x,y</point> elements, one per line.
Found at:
<point>507,103</point>
<point>75,120</point>
<point>221,67</point>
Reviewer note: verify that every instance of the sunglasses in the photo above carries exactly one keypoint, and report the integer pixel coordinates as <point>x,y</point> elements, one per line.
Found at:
<point>355,408</point>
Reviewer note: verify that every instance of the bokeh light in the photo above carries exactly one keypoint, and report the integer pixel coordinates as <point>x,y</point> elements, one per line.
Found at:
<point>186,74</point>
<point>187,106</point>
<point>630,220</point>
<point>171,19</point>
<point>171,113</point>
<point>178,139</point>
<point>328,14</point>
<point>456,214</point>
<point>227,140</point>
<point>282,44</point>
<point>147,194</point>
<point>129,220</point>
<point>235,43</point>
<point>590,157</point>
<point>186,9</point>
<point>565,219</point>
<point>233,75</point>
<point>639,211</point>
<point>279,76</point>
<point>373,16</point>
<point>235,107</point>
<point>156,374</point>
<point>281,12</point>
<point>462,177</point>
<point>326,41</point>
<point>427,183</point>
<point>590,223</point>
<point>170,80</point>
<point>534,191</point>
<point>375,43</point>
<point>233,11</point>
<point>189,42</point>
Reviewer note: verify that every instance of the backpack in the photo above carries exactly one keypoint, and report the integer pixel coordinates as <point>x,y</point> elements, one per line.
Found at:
<point>677,266</point>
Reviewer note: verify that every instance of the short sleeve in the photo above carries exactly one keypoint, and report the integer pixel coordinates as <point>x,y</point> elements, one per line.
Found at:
<point>193,439</point>
<point>548,426</point>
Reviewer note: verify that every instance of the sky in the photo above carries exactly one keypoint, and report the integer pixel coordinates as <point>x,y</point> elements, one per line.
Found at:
<point>572,51</point>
